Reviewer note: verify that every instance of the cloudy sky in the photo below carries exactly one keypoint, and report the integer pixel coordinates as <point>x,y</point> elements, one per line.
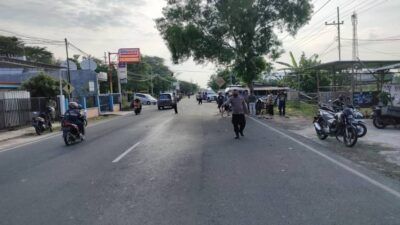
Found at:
<point>96,26</point>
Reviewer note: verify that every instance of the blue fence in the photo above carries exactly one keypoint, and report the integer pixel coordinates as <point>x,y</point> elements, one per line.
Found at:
<point>105,102</point>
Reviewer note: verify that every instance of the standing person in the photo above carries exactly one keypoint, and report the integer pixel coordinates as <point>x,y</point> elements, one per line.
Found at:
<point>239,108</point>
<point>199,98</point>
<point>282,103</point>
<point>252,103</point>
<point>227,107</point>
<point>246,97</point>
<point>270,104</point>
<point>175,103</point>
<point>259,107</point>
<point>220,102</point>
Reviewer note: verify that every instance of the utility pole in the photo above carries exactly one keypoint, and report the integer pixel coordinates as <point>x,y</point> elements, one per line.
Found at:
<point>354,21</point>
<point>152,85</point>
<point>338,23</point>
<point>105,57</point>
<point>110,73</point>
<point>68,71</point>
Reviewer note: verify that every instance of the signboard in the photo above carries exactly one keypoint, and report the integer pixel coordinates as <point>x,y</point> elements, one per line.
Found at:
<point>91,86</point>
<point>220,81</point>
<point>102,76</point>
<point>122,71</point>
<point>129,55</point>
<point>68,88</point>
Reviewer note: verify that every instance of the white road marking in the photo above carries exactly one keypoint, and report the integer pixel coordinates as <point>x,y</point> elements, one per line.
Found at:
<point>334,161</point>
<point>125,153</point>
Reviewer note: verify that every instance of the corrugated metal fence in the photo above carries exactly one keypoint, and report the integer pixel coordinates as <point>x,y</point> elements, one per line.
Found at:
<point>15,112</point>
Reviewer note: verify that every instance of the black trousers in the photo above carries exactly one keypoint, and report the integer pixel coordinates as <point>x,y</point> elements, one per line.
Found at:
<point>239,123</point>
<point>282,108</point>
<point>270,110</point>
<point>175,106</point>
<point>81,126</point>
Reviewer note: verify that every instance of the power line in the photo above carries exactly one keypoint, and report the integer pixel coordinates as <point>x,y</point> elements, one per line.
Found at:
<point>325,51</point>
<point>287,35</point>
<point>321,8</point>
<point>373,40</point>
<point>78,49</point>
<point>30,37</point>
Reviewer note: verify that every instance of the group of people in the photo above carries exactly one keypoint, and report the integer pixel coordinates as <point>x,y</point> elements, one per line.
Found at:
<point>244,103</point>
<point>256,105</point>
<point>270,101</point>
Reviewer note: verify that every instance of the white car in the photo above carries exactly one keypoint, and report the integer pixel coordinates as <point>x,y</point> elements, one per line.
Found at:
<point>211,97</point>
<point>146,99</point>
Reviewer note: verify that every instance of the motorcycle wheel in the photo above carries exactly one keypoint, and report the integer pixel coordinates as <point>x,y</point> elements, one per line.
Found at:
<point>350,137</point>
<point>361,130</point>
<point>68,139</point>
<point>38,131</point>
<point>378,123</point>
<point>321,135</point>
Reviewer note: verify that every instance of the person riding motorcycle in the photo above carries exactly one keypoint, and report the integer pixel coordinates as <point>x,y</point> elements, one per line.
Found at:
<point>137,106</point>
<point>74,115</point>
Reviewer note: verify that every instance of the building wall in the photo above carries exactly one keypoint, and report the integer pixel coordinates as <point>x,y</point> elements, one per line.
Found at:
<point>92,112</point>
<point>116,108</point>
<point>11,78</point>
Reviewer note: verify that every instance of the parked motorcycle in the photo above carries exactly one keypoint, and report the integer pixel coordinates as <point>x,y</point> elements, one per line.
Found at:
<point>337,125</point>
<point>384,116</point>
<point>70,131</point>
<point>360,125</point>
<point>355,120</point>
<point>42,121</point>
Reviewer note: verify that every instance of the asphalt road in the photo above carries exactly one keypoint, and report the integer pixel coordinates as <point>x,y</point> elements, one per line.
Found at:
<point>162,168</point>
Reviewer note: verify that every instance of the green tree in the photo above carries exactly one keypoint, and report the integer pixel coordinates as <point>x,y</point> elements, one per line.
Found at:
<point>42,85</point>
<point>38,54</point>
<point>187,87</point>
<point>150,71</point>
<point>302,76</point>
<point>11,46</point>
<point>230,32</point>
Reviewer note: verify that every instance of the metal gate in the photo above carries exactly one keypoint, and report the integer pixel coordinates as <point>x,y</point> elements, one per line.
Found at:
<point>104,101</point>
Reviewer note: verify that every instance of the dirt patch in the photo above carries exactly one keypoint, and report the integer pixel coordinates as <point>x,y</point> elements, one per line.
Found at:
<point>378,156</point>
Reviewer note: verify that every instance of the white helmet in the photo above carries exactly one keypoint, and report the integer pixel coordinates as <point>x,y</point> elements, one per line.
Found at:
<point>73,105</point>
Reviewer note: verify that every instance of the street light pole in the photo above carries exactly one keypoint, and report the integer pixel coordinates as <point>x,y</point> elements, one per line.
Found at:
<point>110,73</point>
<point>68,70</point>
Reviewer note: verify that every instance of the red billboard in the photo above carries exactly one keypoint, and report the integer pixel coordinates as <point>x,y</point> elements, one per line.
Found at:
<point>129,55</point>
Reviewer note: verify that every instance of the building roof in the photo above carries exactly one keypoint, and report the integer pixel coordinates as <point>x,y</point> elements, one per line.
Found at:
<point>269,88</point>
<point>343,65</point>
<point>6,62</point>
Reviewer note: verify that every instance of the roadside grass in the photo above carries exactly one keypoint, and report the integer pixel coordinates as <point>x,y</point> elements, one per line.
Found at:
<point>295,108</point>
